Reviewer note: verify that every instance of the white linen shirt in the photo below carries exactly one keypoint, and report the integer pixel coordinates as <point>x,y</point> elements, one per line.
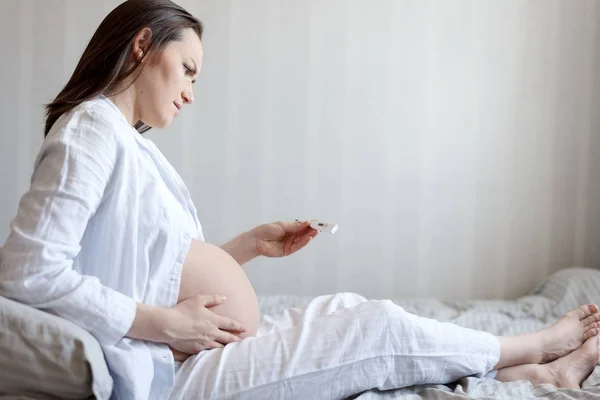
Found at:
<point>106,223</point>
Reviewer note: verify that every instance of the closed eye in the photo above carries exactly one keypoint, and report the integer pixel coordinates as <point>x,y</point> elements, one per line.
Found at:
<point>190,71</point>
<point>193,70</point>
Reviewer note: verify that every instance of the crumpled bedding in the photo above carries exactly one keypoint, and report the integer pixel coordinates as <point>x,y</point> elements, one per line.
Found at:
<point>561,292</point>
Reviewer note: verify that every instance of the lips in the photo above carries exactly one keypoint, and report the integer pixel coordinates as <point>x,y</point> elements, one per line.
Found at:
<point>178,106</point>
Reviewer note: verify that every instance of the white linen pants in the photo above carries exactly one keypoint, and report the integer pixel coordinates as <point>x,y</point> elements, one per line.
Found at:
<point>334,347</point>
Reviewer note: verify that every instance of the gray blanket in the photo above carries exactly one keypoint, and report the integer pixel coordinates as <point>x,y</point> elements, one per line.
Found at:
<point>560,293</point>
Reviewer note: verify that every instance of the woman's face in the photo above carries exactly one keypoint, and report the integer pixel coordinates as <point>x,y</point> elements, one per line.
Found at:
<point>165,83</point>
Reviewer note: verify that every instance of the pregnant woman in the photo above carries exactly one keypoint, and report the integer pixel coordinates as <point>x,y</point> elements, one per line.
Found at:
<point>107,236</point>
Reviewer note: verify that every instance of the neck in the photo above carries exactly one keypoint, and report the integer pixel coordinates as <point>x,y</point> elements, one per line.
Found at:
<point>125,101</point>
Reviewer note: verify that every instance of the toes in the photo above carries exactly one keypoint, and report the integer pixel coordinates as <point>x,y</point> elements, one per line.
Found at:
<point>592,326</point>
<point>591,319</point>
<point>586,310</point>
<point>591,333</point>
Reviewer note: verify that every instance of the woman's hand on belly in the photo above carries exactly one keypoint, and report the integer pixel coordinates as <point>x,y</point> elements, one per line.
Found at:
<point>209,269</point>
<point>191,327</point>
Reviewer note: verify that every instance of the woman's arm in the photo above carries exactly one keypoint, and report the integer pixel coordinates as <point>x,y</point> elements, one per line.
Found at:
<point>278,239</point>
<point>149,324</point>
<point>71,175</point>
<point>242,247</point>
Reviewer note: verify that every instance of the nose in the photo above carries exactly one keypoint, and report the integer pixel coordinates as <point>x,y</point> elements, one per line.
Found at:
<point>188,95</point>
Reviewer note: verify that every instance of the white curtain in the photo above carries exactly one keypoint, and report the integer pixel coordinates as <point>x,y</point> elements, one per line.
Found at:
<point>456,143</point>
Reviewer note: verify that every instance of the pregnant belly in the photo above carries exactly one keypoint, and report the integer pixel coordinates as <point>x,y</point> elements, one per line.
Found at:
<point>208,269</point>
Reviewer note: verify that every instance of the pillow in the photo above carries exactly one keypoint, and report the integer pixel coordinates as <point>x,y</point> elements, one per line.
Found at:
<point>41,353</point>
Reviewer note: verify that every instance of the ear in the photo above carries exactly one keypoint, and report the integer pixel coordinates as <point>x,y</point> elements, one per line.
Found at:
<point>141,43</point>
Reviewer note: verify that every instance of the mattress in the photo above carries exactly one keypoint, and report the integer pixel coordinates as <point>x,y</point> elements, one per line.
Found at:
<point>560,293</point>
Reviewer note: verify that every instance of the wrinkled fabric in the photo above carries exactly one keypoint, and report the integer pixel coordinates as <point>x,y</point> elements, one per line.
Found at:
<point>334,347</point>
<point>106,223</point>
<point>561,292</point>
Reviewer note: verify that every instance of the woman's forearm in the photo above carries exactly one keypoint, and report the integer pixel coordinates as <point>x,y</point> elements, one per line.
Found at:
<point>150,323</point>
<point>242,248</point>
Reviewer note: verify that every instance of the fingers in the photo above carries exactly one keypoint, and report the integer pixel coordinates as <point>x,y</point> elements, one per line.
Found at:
<point>226,337</point>
<point>214,345</point>
<point>294,227</point>
<point>300,242</point>
<point>210,300</point>
<point>215,319</point>
<point>230,325</point>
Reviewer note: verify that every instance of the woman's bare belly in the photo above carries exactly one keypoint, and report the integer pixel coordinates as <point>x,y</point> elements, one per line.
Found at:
<point>208,269</point>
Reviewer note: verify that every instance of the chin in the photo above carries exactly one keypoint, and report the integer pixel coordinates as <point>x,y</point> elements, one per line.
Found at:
<point>159,124</point>
<point>165,125</point>
<point>165,122</point>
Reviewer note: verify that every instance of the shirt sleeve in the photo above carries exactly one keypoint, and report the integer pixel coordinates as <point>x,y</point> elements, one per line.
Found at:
<point>71,175</point>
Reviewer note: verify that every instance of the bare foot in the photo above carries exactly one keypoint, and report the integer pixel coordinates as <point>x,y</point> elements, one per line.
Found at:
<point>567,372</point>
<point>569,332</point>
<point>571,370</point>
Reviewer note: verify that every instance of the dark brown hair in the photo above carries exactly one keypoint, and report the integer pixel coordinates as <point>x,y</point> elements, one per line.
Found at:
<point>107,62</point>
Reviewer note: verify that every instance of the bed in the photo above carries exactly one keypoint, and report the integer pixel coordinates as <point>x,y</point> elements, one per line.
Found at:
<point>561,292</point>
<point>41,353</point>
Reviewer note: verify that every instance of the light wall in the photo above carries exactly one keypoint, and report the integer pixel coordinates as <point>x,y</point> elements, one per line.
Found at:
<point>456,143</point>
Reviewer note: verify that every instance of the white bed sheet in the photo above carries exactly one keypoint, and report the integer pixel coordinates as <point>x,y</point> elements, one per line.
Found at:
<point>561,292</point>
